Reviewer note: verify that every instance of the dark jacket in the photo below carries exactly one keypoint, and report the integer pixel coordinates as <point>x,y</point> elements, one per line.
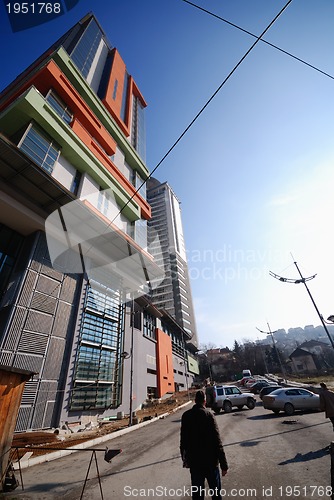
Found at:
<point>200,443</point>
<point>327,402</point>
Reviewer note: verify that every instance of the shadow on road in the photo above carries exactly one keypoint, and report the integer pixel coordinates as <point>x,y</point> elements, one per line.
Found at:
<point>260,438</point>
<point>310,455</point>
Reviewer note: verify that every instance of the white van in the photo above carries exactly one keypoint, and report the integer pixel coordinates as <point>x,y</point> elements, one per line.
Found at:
<point>246,373</point>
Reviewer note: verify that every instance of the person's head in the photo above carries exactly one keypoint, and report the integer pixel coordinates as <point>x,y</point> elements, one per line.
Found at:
<point>323,385</point>
<point>200,398</point>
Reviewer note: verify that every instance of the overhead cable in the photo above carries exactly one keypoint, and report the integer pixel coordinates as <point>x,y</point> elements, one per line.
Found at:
<point>258,38</point>
<point>262,39</point>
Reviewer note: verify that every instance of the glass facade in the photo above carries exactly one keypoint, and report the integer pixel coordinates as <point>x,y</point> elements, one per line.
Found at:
<point>40,147</point>
<point>124,97</point>
<point>59,106</point>
<point>138,133</point>
<point>97,376</point>
<point>149,326</point>
<point>84,52</point>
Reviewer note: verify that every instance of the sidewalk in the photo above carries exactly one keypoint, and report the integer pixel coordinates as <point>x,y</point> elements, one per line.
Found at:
<point>47,457</point>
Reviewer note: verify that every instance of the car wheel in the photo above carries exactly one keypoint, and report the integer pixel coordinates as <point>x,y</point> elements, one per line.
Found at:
<point>216,411</point>
<point>289,409</point>
<point>227,407</point>
<point>240,407</point>
<point>250,403</point>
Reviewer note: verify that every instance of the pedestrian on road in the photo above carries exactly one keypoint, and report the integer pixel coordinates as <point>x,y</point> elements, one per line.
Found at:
<point>327,402</point>
<point>201,448</point>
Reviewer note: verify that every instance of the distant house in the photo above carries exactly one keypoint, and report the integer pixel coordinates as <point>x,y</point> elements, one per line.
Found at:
<point>310,357</point>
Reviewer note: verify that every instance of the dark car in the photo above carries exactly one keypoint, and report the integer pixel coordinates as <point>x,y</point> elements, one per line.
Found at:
<point>268,389</point>
<point>257,386</point>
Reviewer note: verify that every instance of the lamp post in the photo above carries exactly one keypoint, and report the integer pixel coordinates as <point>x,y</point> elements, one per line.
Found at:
<point>303,280</point>
<point>275,348</point>
<point>131,360</point>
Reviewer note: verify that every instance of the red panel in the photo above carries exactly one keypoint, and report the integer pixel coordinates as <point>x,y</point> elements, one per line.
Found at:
<point>165,372</point>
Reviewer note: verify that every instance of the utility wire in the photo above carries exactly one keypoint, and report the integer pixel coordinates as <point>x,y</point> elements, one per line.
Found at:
<point>262,39</point>
<point>258,38</point>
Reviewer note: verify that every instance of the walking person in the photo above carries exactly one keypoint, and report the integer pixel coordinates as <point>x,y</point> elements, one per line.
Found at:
<point>201,449</point>
<point>327,402</point>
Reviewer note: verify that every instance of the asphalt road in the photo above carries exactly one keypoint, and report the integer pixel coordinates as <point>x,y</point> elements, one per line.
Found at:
<point>269,456</point>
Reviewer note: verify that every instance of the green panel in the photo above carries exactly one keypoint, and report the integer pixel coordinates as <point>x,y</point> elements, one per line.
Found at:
<point>32,105</point>
<point>193,365</point>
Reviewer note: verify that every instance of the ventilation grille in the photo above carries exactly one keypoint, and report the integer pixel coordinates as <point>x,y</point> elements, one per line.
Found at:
<point>48,270</point>
<point>62,321</point>
<point>43,303</point>
<point>6,358</point>
<point>15,329</point>
<point>23,419</point>
<point>33,343</point>
<point>38,322</point>
<point>29,393</point>
<point>28,362</point>
<point>48,286</point>
<point>54,359</point>
<point>27,289</point>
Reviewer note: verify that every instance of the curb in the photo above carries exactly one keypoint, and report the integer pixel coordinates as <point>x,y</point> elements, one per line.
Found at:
<point>29,462</point>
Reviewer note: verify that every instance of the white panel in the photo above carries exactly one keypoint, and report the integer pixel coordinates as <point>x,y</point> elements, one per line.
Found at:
<point>64,172</point>
<point>96,70</point>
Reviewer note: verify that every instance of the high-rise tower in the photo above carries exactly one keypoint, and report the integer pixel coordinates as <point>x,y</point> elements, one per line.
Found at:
<point>173,294</point>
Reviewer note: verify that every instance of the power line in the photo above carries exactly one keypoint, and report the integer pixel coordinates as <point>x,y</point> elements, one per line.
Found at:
<point>258,38</point>
<point>262,39</point>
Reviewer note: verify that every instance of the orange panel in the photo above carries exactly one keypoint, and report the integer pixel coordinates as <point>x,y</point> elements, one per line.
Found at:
<point>165,372</point>
<point>85,124</point>
<point>113,100</point>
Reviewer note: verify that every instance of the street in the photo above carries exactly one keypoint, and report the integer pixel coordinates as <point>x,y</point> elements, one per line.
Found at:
<point>269,456</point>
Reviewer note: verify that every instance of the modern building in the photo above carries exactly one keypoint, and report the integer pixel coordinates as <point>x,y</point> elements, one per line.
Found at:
<point>173,293</point>
<point>73,238</point>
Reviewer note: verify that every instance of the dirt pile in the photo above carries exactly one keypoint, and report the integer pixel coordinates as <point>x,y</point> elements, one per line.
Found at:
<point>54,440</point>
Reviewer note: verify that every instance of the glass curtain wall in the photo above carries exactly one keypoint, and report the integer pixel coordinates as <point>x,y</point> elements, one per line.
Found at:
<point>97,378</point>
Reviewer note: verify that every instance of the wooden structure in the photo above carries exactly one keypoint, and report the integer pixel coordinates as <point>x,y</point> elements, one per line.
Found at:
<point>12,382</point>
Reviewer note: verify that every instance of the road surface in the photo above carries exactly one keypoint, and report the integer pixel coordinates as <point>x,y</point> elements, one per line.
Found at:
<point>269,456</point>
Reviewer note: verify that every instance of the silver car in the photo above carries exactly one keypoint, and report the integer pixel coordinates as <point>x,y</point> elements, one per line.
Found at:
<point>289,399</point>
<point>226,397</point>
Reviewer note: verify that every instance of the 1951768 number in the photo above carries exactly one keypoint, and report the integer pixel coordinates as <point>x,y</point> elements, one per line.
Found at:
<point>33,8</point>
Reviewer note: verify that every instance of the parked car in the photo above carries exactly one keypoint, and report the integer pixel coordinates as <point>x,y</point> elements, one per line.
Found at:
<point>244,380</point>
<point>268,389</point>
<point>289,399</point>
<point>257,386</point>
<point>226,397</point>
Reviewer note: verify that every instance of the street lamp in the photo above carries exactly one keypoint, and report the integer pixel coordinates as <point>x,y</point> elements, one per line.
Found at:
<point>275,347</point>
<point>303,280</point>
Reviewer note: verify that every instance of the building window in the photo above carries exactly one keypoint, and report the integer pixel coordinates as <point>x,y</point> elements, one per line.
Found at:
<point>76,182</point>
<point>97,374</point>
<point>115,90</point>
<point>59,106</point>
<point>124,97</point>
<point>84,52</point>
<point>149,328</point>
<point>40,147</point>
<point>138,134</point>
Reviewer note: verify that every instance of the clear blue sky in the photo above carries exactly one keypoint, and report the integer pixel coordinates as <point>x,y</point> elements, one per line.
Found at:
<point>255,173</point>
